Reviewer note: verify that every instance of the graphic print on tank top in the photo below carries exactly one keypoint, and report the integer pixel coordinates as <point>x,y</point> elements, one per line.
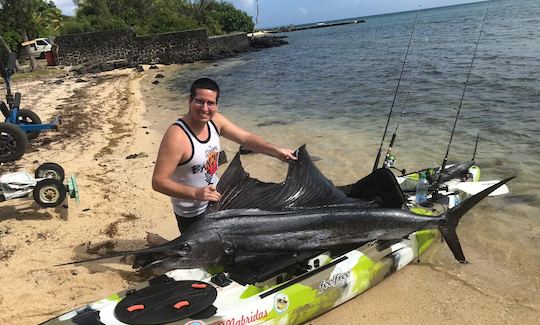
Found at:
<point>210,166</point>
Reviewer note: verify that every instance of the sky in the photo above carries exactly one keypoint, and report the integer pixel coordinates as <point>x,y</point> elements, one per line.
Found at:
<point>273,13</point>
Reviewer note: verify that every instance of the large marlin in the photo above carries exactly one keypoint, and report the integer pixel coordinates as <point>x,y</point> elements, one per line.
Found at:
<point>305,212</point>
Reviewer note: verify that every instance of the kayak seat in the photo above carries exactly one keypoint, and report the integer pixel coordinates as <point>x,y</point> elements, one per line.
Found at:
<point>380,186</point>
<point>166,302</point>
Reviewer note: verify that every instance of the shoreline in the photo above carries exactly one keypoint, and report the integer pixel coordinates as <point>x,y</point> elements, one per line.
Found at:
<point>108,117</point>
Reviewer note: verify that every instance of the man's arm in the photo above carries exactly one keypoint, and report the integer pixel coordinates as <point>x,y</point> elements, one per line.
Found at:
<point>250,140</point>
<point>171,152</point>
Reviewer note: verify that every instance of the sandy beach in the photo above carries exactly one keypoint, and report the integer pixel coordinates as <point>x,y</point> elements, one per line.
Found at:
<point>107,117</point>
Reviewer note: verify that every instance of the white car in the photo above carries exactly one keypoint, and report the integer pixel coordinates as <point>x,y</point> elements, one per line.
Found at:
<point>38,47</point>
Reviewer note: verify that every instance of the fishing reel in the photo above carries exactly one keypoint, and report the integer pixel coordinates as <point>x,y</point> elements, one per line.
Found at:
<point>390,162</point>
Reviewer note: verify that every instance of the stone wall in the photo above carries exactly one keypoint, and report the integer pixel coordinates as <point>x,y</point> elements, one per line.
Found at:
<point>175,47</point>
<point>100,46</point>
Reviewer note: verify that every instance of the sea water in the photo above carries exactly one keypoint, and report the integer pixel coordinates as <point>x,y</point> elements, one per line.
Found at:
<point>333,88</point>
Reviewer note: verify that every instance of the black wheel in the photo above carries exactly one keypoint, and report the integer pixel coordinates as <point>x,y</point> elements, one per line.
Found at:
<point>27,116</point>
<point>49,193</point>
<point>50,170</point>
<point>13,142</point>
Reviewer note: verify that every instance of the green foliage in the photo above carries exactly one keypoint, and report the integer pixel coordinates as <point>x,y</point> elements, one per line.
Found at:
<point>234,20</point>
<point>38,18</point>
<point>41,18</point>
<point>157,16</point>
<point>47,19</point>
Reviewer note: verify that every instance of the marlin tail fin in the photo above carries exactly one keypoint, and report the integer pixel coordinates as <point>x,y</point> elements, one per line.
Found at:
<point>453,216</point>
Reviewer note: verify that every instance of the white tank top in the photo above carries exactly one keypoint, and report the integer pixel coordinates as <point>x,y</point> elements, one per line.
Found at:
<point>199,170</point>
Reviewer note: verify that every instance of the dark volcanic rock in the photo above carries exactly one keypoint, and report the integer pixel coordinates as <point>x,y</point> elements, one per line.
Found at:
<point>267,41</point>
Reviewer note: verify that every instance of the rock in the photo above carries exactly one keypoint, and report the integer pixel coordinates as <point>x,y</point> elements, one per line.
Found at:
<point>155,82</point>
<point>267,41</point>
<point>139,68</point>
<point>159,75</point>
<point>152,67</point>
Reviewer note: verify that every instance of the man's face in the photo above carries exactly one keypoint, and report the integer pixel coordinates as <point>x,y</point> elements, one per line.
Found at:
<point>204,105</point>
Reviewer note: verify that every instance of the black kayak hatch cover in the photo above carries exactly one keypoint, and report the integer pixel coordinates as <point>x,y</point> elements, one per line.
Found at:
<point>166,302</point>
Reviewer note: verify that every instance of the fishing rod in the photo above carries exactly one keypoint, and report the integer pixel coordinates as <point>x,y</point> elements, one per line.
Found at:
<point>445,160</point>
<point>475,146</point>
<point>390,159</point>
<point>395,95</point>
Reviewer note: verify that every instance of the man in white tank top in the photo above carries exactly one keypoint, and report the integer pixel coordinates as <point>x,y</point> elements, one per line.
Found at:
<point>187,161</point>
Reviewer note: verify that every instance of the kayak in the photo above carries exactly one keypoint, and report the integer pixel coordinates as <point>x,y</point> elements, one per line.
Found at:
<point>292,290</point>
<point>454,190</point>
<point>281,289</point>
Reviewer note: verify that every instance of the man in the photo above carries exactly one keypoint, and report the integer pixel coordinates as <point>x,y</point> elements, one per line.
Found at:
<point>187,160</point>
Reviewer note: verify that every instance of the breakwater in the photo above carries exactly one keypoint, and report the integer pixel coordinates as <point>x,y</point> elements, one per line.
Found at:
<point>293,28</point>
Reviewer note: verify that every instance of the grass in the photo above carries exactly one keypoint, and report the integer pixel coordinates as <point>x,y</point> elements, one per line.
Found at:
<point>42,72</point>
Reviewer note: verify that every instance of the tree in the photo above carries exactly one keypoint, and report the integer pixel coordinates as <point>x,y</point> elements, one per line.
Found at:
<point>234,20</point>
<point>157,16</point>
<point>19,14</point>
<point>27,19</point>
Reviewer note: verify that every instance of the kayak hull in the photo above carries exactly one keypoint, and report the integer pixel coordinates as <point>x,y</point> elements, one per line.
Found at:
<point>284,299</point>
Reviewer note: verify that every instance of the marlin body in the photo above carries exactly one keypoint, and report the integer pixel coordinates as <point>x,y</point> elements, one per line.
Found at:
<point>306,212</point>
<point>225,236</point>
<point>221,237</point>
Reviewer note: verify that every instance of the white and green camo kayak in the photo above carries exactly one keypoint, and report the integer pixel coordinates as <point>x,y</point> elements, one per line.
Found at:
<point>326,282</point>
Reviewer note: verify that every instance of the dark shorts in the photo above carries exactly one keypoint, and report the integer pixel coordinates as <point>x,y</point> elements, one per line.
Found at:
<point>185,222</point>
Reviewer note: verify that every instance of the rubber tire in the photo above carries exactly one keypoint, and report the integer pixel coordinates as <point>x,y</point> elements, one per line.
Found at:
<point>49,187</point>
<point>50,170</point>
<point>16,135</point>
<point>26,117</point>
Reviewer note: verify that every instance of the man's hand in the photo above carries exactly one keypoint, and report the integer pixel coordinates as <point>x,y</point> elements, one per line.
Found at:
<point>208,193</point>
<point>286,154</point>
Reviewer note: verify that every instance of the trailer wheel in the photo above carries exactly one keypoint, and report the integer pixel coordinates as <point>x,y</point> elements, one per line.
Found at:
<point>26,117</point>
<point>13,142</point>
<point>49,193</point>
<point>50,170</point>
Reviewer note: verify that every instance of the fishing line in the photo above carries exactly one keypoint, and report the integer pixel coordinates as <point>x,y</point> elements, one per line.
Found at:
<point>445,160</point>
<point>395,94</point>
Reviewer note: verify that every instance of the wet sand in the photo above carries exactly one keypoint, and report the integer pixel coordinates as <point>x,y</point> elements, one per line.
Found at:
<point>113,115</point>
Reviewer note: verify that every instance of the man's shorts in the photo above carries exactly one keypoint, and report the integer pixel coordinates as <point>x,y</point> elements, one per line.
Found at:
<point>185,222</point>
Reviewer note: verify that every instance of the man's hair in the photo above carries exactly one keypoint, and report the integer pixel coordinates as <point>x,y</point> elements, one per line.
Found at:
<point>204,83</point>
